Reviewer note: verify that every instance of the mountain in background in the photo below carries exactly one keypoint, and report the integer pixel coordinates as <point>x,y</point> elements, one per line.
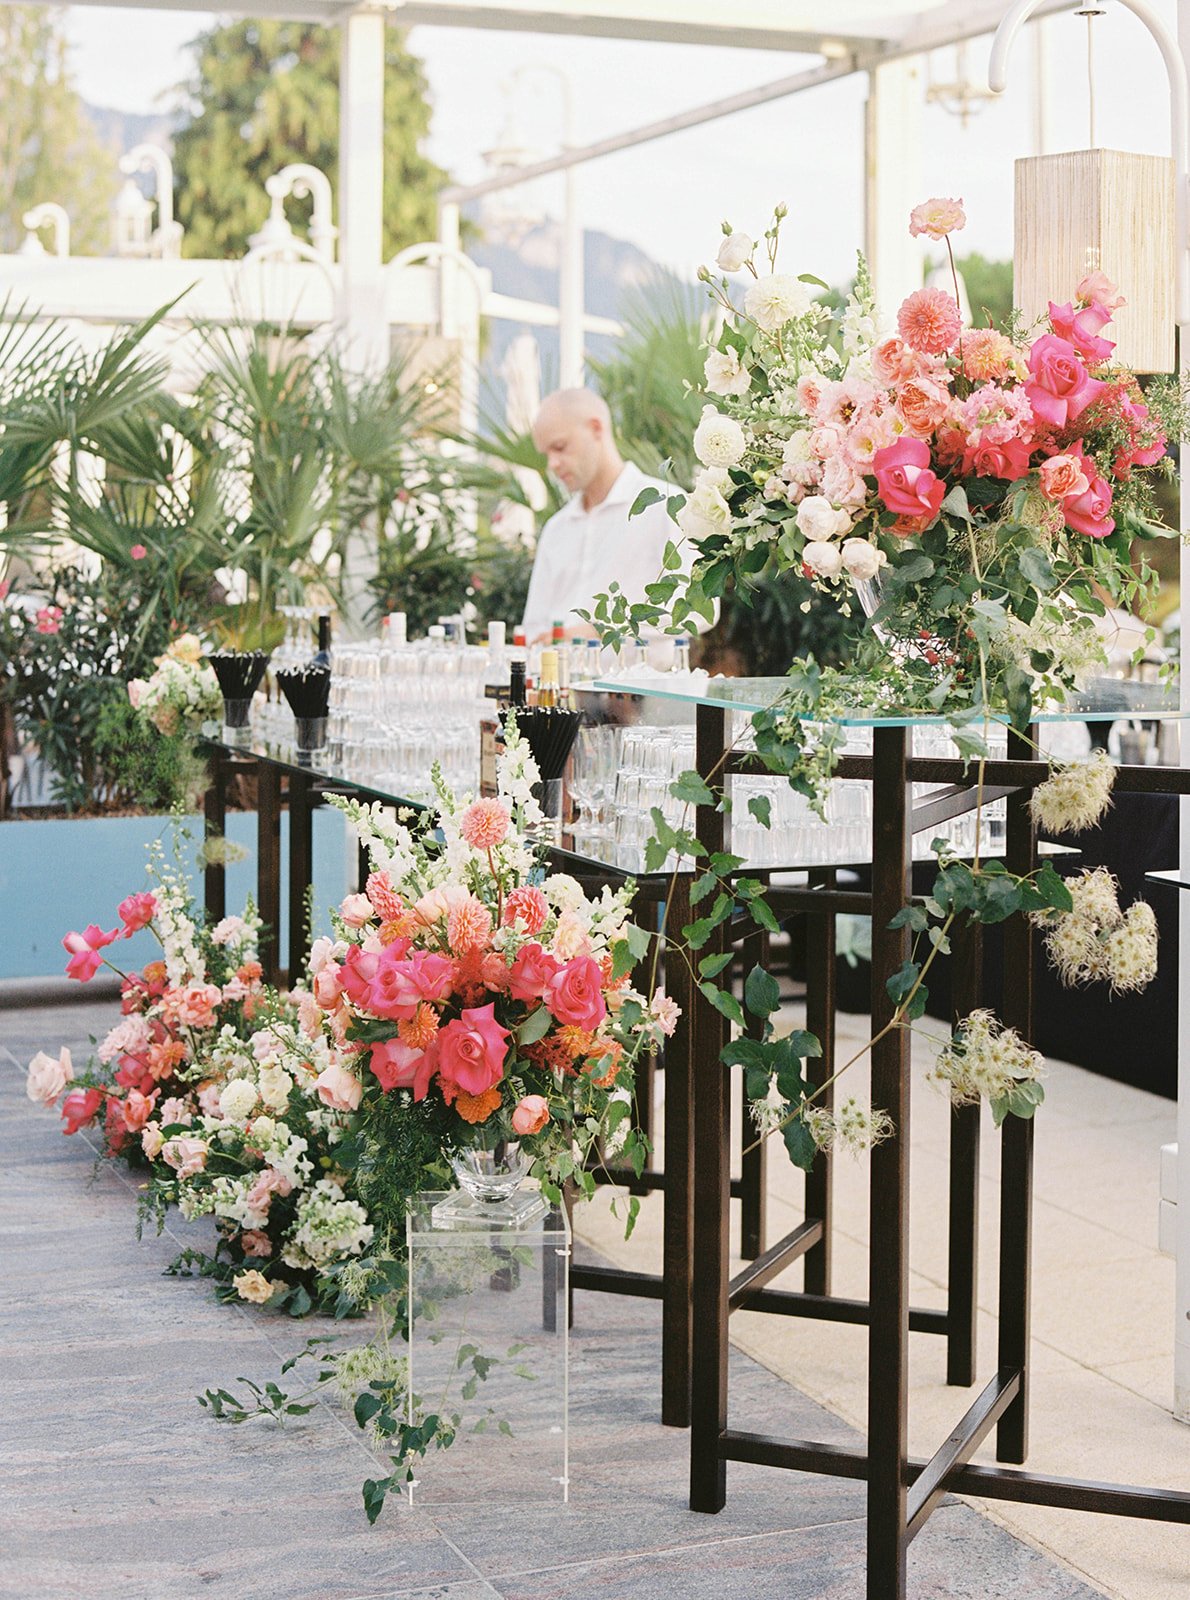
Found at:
<point>121,130</point>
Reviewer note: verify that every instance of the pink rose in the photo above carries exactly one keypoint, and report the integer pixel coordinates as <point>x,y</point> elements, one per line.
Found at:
<point>356,910</point>
<point>255,1243</point>
<point>1062,476</point>
<point>79,1109</point>
<point>326,986</point>
<point>936,218</point>
<point>1098,286</point>
<point>1061,388</point>
<point>151,1140</point>
<point>576,994</point>
<point>48,1076</point>
<point>893,362</point>
<point>923,403</point>
<point>138,552</point>
<point>185,1155</point>
<point>904,480</point>
<point>356,975</point>
<point>530,1115</point>
<point>471,1050</point>
<point>1081,328</point>
<point>528,906</point>
<point>85,960</point>
<point>397,1065</point>
<point>136,912</point>
<point>401,985</point>
<point>338,1088</point>
<point>1088,512</point>
<point>531,971</point>
<point>49,619</point>
<point>138,1108</point>
<point>1007,460</point>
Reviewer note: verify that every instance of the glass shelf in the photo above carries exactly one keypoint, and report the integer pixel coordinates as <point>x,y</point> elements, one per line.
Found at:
<point>1103,700</point>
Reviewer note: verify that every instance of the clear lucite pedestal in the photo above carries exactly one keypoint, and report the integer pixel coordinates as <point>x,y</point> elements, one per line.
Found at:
<point>488,1344</point>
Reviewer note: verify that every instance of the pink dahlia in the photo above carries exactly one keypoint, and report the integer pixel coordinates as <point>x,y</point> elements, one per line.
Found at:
<point>468,926</point>
<point>528,906</point>
<point>936,218</point>
<point>929,321</point>
<point>484,824</point>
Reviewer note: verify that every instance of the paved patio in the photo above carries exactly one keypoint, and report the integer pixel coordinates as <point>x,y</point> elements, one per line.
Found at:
<point>117,1485</point>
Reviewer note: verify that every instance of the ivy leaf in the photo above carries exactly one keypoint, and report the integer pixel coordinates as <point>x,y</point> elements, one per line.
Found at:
<point>902,981</point>
<point>761,808</point>
<point>375,1490</point>
<point>702,886</point>
<point>1037,569</point>
<point>724,1003</point>
<point>910,917</point>
<point>672,559</point>
<point>690,789</point>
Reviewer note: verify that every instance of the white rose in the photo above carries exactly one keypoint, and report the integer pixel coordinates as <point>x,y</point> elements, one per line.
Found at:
<point>798,461</point>
<point>862,560</point>
<point>724,374</point>
<point>275,1084</point>
<point>824,559</point>
<point>819,520</point>
<point>734,252</point>
<point>773,301</point>
<point>237,1100</point>
<point>706,512</point>
<point>719,441</point>
<point>48,1076</point>
<point>775,489</point>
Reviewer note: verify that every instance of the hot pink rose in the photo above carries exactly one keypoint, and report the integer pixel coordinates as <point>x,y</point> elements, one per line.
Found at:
<point>79,1109</point>
<point>1063,475</point>
<point>471,1050</point>
<point>138,1108</point>
<point>576,994</point>
<point>904,480</point>
<point>85,960</point>
<point>1061,388</point>
<point>401,985</point>
<point>136,912</point>
<point>399,1066</point>
<point>528,906</point>
<point>531,973</point>
<point>1007,460</point>
<point>48,1076</point>
<point>1081,328</point>
<point>338,1088</point>
<point>530,1115</point>
<point>1088,512</point>
<point>357,974</point>
<point>185,1155</point>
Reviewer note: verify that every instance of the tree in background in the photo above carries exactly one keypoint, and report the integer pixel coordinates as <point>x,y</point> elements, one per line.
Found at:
<point>989,288</point>
<point>265,94</point>
<point>48,147</point>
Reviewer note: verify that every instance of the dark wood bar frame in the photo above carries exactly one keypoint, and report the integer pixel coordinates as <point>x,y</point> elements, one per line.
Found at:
<point>902,1490</point>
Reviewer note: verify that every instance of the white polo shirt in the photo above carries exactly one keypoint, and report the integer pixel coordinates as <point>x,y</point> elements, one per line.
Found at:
<point>580,553</point>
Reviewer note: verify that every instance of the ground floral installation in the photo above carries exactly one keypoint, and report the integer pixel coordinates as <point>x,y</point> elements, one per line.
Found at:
<point>980,494</point>
<point>465,998</point>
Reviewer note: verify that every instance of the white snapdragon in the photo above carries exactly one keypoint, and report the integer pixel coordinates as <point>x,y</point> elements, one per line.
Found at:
<point>725,373</point>
<point>799,464</point>
<point>819,520</point>
<point>774,300</point>
<point>719,441</point>
<point>735,252</point>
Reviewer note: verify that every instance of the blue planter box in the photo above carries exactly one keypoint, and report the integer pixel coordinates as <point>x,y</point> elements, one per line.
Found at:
<point>63,873</point>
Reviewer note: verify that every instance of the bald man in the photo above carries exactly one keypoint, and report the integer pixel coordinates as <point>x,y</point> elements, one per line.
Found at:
<point>591,541</point>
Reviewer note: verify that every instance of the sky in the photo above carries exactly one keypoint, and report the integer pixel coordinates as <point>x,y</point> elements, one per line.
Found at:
<point>669,197</point>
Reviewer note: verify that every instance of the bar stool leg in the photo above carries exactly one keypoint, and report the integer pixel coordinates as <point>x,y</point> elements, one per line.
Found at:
<point>301,872</point>
<point>754,951</point>
<point>215,820</point>
<point>268,866</point>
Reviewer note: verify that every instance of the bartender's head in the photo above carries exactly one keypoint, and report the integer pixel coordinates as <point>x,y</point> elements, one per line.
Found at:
<point>573,431</point>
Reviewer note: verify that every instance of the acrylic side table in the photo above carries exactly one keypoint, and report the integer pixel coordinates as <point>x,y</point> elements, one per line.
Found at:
<point>489,1343</point>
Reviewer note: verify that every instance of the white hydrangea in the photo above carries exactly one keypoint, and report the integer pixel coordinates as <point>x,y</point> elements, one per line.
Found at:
<point>719,441</point>
<point>237,1100</point>
<point>725,373</point>
<point>563,892</point>
<point>774,300</point>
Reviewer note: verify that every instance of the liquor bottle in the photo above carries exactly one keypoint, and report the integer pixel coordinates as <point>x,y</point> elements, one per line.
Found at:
<point>547,686</point>
<point>491,727</point>
<point>495,676</point>
<point>322,656</point>
<point>565,696</point>
<point>517,695</point>
<point>558,633</point>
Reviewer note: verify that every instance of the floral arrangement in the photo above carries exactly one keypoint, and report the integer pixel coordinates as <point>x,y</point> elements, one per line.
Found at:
<point>181,693</point>
<point>491,1001</point>
<point>976,490</point>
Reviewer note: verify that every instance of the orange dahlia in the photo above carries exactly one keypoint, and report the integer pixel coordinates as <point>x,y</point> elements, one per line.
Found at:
<point>477,1107</point>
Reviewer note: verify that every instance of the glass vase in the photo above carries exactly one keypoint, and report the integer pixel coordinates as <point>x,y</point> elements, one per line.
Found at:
<point>490,1175</point>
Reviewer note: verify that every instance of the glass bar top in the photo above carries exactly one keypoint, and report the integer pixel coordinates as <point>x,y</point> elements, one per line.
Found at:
<point>1103,700</point>
<point>1173,875</point>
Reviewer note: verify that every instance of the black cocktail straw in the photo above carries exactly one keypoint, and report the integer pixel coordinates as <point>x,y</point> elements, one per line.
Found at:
<point>239,671</point>
<point>307,689</point>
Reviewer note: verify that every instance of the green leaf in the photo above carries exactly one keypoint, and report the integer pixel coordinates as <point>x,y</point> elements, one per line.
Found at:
<point>910,917</point>
<point>749,1053</point>
<point>672,559</point>
<point>902,981</point>
<point>689,788</point>
<point>763,913</point>
<point>646,498</point>
<point>724,1003</point>
<point>366,1407</point>
<point>762,993</point>
<point>761,808</point>
<point>375,1490</point>
<point>1037,569</point>
<point>915,568</point>
<point>1052,889</point>
<point>537,1024</point>
<point>702,886</point>
<point>639,940</point>
<point>712,966</point>
<point>800,1143</point>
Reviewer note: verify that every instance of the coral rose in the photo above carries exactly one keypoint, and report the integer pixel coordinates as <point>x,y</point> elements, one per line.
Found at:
<point>48,1076</point>
<point>531,972</point>
<point>530,1115</point>
<point>397,1065</point>
<point>484,824</point>
<point>138,1108</point>
<point>471,1050</point>
<point>987,459</point>
<point>923,402</point>
<point>79,1108</point>
<point>253,1286</point>
<point>1062,476</point>
<point>136,912</point>
<point>904,480</point>
<point>1060,388</point>
<point>576,994</point>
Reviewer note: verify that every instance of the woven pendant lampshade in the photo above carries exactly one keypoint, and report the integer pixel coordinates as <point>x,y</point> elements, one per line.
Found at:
<point>1109,210</point>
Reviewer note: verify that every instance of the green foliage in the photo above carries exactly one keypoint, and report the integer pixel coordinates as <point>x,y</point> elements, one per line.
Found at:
<point>989,288</point>
<point>143,767</point>
<point>48,148</point>
<point>266,94</point>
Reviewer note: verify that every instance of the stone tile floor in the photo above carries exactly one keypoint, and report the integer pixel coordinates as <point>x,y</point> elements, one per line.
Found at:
<point>113,1483</point>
